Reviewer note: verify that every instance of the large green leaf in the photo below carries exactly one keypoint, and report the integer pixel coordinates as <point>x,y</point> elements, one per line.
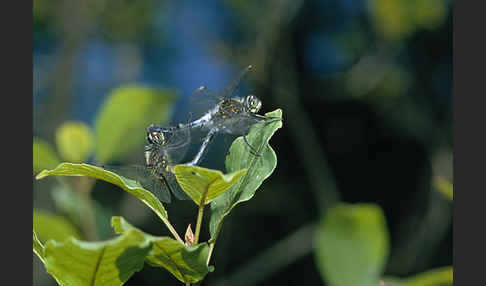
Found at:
<point>199,183</point>
<point>75,141</point>
<point>38,247</point>
<point>44,155</point>
<point>435,277</point>
<point>352,245</point>
<point>132,187</point>
<point>259,168</point>
<point>50,226</point>
<point>107,263</point>
<point>186,263</point>
<point>125,116</point>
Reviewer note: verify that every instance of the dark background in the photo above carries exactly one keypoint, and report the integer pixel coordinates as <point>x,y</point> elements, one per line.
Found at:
<point>365,88</point>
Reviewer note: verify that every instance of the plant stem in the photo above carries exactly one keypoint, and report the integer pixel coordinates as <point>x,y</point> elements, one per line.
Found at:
<point>172,230</point>
<point>213,242</point>
<point>199,221</point>
<point>211,247</point>
<point>200,212</point>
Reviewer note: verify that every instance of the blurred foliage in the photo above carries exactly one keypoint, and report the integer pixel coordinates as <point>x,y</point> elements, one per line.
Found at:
<point>398,19</point>
<point>124,117</point>
<point>119,20</point>
<point>435,277</point>
<point>44,155</point>
<point>75,141</point>
<point>131,107</point>
<point>51,226</point>
<point>352,245</point>
<point>73,206</point>
<point>444,186</point>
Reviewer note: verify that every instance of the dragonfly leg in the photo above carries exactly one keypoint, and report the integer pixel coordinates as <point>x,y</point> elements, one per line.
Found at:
<point>269,119</point>
<point>254,151</point>
<point>197,159</point>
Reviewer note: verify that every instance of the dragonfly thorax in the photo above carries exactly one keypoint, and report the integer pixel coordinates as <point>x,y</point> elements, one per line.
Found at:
<point>230,107</point>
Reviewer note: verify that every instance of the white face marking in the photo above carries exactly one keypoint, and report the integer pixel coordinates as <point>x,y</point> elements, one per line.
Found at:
<point>147,157</point>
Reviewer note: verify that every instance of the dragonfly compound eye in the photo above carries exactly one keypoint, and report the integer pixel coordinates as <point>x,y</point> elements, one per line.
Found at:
<point>156,137</point>
<point>253,103</point>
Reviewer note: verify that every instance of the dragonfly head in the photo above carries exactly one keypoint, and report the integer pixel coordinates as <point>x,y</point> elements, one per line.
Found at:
<point>156,135</point>
<point>252,103</point>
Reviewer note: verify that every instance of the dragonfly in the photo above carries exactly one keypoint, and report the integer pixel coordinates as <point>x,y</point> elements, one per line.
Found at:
<point>228,114</point>
<point>165,147</point>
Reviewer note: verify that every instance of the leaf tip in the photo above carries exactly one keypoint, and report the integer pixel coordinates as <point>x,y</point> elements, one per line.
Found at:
<point>42,174</point>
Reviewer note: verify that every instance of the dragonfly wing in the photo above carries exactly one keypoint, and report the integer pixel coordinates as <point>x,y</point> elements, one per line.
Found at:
<point>175,187</point>
<point>230,89</point>
<point>145,178</point>
<point>178,142</point>
<point>200,102</point>
<point>239,124</point>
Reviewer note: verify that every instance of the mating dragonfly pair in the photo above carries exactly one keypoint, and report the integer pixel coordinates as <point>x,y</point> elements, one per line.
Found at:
<point>167,145</point>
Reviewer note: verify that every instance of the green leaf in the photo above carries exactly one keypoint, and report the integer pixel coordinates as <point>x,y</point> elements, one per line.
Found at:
<point>186,263</point>
<point>199,183</point>
<point>108,263</point>
<point>436,277</point>
<point>75,141</point>
<point>44,155</point>
<point>38,247</point>
<point>352,245</point>
<point>71,205</point>
<point>444,187</point>
<point>50,226</point>
<point>259,168</point>
<point>125,116</point>
<point>132,187</point>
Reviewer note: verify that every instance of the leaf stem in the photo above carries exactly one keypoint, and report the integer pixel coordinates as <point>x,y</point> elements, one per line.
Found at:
<point>211,247</point>
<point>172,230</point>
<point>200,212</point>
<point>199,220</point>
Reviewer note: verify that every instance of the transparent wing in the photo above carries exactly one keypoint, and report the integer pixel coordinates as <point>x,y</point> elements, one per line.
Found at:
<point>178,141</point>
<point>230,89</point>
<point>145,177</point>
<point>175,188</point>
<point>201,101</point>
<point>239,124</point>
